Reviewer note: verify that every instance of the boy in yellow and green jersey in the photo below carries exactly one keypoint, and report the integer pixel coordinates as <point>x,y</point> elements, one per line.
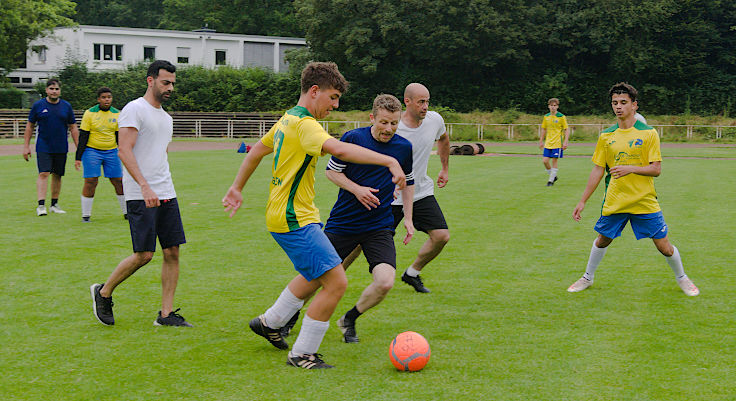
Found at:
<point>296,141</point>
<point>554,125</point>
<point>630,155</point>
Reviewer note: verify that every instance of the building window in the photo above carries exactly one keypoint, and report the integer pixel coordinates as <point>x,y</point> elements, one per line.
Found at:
<point>40,52</point>
<point>182,55</point>
<point>14,80</point>
<point>149,53</point>
<point>220,57</point>
<point>27,80</point>
<point>108,52</point>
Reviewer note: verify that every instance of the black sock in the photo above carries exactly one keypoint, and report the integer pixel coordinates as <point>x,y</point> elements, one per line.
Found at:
<point>352,314</point>
<point>41,202</point>
<point>54,201</point>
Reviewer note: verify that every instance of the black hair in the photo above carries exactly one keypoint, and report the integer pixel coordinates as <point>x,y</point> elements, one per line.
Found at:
<point>53,81</point>
<point>622,88</point>
<point>157,65</point>
<point>102,90</point>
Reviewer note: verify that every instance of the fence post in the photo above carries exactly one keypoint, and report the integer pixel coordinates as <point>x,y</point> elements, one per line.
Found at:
<point>16,130</point>
<point>719,132</point>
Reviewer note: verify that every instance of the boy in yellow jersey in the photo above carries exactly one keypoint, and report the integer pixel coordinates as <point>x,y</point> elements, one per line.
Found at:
<point>553,125</point>
<point>98,148</point>
<point>297,140</point>
<point>629,152</point>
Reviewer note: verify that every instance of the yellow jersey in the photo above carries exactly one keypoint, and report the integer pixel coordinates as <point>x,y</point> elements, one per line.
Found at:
<point>296,140</point>
<point>102,126</point>
<point>635,146</point>
<point>555,126</point>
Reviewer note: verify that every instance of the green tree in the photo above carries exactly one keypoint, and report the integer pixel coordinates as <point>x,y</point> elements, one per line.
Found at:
<point>24,20</point>
<point>127,13</point>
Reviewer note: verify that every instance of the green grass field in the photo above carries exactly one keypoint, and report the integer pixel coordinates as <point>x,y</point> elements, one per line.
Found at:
<point>499,321</point>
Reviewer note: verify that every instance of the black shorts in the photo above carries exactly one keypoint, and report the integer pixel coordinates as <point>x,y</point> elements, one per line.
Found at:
<point>427,215</point>
<point>378,246</point>
<point>54,163</point>
<point>162,221</point>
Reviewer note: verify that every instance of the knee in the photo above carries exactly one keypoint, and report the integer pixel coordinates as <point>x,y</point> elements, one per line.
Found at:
<point>171,254</point>
<point>442,237</point>
<point>44,175</point>
<point>384,286</point>
<point>143,257</point>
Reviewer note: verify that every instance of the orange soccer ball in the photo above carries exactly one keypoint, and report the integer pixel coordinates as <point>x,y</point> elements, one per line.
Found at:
<point>409,351</point>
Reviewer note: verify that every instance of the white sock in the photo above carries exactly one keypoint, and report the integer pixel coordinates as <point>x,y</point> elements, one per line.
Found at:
<point>310,336</point>
<point>412,272</point>
<point>552,174</point>
<point>675,263</point>
<point>87,206</point>
<point>283,309</point>
<point>596,255</point>
<point>548,172</point>
<point>123,206</point>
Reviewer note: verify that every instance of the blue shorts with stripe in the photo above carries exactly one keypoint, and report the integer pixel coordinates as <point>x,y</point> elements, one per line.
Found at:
<point>650,225</point>
<point>93,159</point>
<point>553,153</point>
<point>309,250</point>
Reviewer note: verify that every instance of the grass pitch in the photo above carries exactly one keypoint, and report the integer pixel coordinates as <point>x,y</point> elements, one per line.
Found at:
<point>499,321</point>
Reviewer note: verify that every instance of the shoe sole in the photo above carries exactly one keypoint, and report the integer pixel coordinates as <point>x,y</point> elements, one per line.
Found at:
<point>415,288</point>
<point>94,305</point>
<point>255,326</point>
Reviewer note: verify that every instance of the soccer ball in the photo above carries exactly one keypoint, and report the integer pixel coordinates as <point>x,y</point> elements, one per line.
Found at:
<point>409,351</point>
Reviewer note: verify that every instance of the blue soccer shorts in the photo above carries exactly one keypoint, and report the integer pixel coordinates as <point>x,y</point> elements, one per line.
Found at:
<point>309,250</point>
<point>93,159</point>
<point>553,153</point>
<point>650,225</point>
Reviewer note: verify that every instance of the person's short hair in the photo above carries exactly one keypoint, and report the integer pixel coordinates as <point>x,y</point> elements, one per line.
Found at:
<point>157,65</point>
<point>325,75</point>
<point>623,88</point>
<point>53,81</point>
<point>102,90</point>
<point>553,100</point>
<point>386,102</point>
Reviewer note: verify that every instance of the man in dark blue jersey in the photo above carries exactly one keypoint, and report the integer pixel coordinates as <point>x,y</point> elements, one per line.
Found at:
<point>362,213</point>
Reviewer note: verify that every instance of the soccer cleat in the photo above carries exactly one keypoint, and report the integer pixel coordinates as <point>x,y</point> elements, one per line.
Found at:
<point>258,325</point>
<point>85,219</point>
<point>174,319</point>
<point>101,306</point>
<point>580,285</point>
<point>550,183</point>
<point>688,287</point>
<point>415,282</point>
<point>57,209</point>
<point>41,210</point>
<point>348,331</point>
<point>125,216</point>
<point>286,330</point>
<point>308,361</point>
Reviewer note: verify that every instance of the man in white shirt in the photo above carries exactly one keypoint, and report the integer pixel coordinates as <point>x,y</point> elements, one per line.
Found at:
<point>145,131</point>
<point>423,128</point>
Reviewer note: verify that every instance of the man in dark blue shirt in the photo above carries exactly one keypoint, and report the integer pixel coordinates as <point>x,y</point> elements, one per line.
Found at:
<point>361,216</point>
<point>54,116</point>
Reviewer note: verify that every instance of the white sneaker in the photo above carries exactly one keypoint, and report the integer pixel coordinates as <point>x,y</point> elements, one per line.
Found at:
<point>57,209</point>
<point>688,287</point>
<point>580,285</point>
<point>41,210</point>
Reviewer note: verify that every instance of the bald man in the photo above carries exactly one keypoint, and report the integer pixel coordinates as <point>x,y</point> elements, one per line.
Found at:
<point>423,128</point>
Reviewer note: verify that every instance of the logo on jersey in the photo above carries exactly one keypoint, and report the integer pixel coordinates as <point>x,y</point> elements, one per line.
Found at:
<point>635,143</point>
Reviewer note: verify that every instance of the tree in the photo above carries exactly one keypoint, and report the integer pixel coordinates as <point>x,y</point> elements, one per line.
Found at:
<point>127,13</point>
<point>24,20</point>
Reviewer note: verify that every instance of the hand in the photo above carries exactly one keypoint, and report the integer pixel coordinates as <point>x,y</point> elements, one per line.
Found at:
<point>565,145</point>
<point>26,153</point>
<point>442,178</point>
<point>541,145</point>
<point>620,171</point>
<point>150,197</point>
<point>232,201</point>
<point>398,175</point>
<point>77,164</point>
<point>577,213</point>
<point>409,225</point>
<point>366,198</point>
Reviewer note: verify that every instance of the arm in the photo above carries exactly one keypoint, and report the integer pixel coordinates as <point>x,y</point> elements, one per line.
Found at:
<point>83,138</point>
<point>364,195</point>
<point>407,195</point>
<point>593,180</point>
<point>360,155</point>
<point>128,136</point>
<point>651,170</point>
<point>443,149</point>
<point>567,139</point>
<point>541,138</point>
<point>233,199</point>
<point>74,130</point>
<point>27,134</point>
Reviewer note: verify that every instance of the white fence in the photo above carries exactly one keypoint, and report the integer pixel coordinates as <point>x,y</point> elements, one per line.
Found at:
<point>237,128</point>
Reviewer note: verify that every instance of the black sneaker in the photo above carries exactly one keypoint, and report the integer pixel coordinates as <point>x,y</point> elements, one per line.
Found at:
<point>348,331</point>
<point>85,219</point>
<point>125,216</point>
<point>308,361</point>
<point>415,282</point>
<point>272,335</point>
<point>101,306</point>
<point>286,330</point>
<point>174,319</point>
<point>550,183</point>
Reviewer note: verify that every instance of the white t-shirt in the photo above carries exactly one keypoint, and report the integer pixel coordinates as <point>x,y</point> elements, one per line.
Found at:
<point>155,130</point>
<point>422,141</point>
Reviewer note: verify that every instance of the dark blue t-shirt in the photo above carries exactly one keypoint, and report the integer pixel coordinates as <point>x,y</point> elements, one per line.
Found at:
<point>348,215</point>
<point>53,122</point>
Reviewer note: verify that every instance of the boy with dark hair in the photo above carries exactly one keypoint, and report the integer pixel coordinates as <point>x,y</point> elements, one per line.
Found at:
<point>553,125</point>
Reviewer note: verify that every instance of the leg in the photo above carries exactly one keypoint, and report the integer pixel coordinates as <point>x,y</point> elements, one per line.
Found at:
<point>672,255</point>
<point>117,183</point>
<point>42,185</point>
<point>169,279</point>
<point>545,160</point>
<point>125,269</point>
<point>55,186</point>
<point>554,162</point>
<point>431,248</point>
<point>351,258</point>
<point>383,280</point>
<point>88,197</point>
<point>600,245</point>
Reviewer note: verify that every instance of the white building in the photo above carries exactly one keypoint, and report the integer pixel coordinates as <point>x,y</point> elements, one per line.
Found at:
<point>106,48</point>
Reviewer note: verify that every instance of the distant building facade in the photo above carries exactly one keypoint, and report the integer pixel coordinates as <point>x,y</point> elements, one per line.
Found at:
<point>108,48</point>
